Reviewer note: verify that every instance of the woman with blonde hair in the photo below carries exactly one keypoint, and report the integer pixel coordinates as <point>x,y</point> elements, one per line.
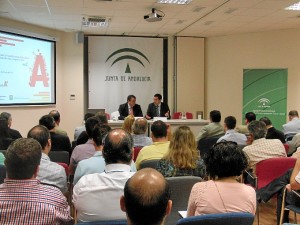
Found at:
<point>183,157</point>
<point>128,122</point>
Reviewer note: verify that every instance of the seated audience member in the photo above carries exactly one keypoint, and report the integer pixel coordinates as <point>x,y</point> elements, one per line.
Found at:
<point>79,130</point>
<point>214,128</point>
<point>56,116</point>
<point>59,142</point>
<point>128,122</point>
<point>146,198</point>
<point>96,196</point>
<point>96,163</point>
<point>157,108</point>
<point>262,148</point>
<point>139,129</point>
<point>183,156</point>
<point>130,108</point>
<point>223,194</point>
<point>49,173</point>
<point>294,144</point>
<point>87,150</point>
<point>23,199</point>
<point>14,134</point>
<point>293,126</point>
<point>291,181</point>
<point>84,137</point>
<point>272,132</point>
<point>160,146</point>
<point>231,134</point>
<point>249,117</point>
<point>5,138</point>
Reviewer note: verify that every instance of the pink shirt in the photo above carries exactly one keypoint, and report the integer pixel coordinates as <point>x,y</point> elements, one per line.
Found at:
<point>208,197</point>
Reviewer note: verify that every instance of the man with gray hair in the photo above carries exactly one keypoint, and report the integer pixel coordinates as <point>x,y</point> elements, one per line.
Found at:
<point>262,148</point>
<point>139,129</point>
<point>96,196</point>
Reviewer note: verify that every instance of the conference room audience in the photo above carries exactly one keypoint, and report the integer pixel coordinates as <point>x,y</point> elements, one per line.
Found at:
<point>80,129</point>
<point>128,122</point>
<point>262,148</point>
<point>49,173</point>
<point>230,133</point>
<point>14,134</point>
<point>223,194</point>
<point>139,129</point>
<point>293,126</point>
<point>5,138</point>
<point>130,108</point>
<point>96,197</point>
<point>182,158</point>
<point>84,151</point>
<point>146,198</point>
<point>23,199</point>
<point>214,128</point>
<point>249,117</point>
<point>157,108</point>
<point>272,132</point>
<point>59,142</point>
<point>160,146</point>
<point>56,116</point>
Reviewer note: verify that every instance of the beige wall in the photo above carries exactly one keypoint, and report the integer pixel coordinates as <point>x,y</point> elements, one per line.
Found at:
<point>69,80</point>
<point>226,57</point>
<point>190,74</point>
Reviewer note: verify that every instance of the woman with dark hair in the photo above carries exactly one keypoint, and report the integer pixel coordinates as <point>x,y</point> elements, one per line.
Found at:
<point>5,138</point>
<point>223,193</point>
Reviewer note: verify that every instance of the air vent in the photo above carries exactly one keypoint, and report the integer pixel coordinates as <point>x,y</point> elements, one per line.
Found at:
<point>95,21</point>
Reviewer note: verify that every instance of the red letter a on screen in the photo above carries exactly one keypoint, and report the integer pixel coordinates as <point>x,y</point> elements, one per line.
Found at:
<point>39,63</point>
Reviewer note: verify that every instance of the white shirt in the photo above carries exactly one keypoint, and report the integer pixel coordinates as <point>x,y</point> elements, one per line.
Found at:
<point>97,196</point>
<point>232,135</point>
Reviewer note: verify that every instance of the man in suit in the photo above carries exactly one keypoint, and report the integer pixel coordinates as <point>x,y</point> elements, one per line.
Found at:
<point>157,108</point>
<point>130,108</point>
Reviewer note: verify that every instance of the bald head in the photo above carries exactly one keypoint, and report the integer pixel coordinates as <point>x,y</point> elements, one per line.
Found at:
<point>146,198</point>
<point>118,147</point>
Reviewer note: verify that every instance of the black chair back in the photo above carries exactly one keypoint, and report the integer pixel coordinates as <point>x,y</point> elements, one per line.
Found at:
<point>204,144</point>
<point>149,164</point>
<point>59,156</point>
<point>2,173</point>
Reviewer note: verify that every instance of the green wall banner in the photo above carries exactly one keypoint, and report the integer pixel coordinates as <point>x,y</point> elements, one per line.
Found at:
<point>265,94</point>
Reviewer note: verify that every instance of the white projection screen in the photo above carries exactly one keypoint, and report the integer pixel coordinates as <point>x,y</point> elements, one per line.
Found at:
<point>27,71</point>
<point>121,66</point>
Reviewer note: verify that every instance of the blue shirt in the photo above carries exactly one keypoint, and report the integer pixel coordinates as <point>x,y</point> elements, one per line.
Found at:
<point>232,135</point>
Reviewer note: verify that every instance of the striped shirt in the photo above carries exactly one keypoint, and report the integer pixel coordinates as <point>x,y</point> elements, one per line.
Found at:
<point>30,202</point>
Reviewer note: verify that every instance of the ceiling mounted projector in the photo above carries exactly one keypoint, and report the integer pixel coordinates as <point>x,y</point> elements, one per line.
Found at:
<point>154,16</point>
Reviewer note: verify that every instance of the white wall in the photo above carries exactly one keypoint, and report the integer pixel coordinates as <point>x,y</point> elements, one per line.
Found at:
<point>227,56</point>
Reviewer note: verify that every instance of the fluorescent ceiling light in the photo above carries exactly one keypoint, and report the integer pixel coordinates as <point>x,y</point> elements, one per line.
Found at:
<point>179,2</point>
<point>295,6</point>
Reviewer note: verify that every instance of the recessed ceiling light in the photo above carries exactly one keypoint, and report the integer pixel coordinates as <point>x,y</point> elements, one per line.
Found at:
<point>295,6</point>
<point>179,2</point>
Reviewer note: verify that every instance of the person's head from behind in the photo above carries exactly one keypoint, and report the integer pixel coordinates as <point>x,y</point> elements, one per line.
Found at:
<point>90,125</point>
<point>131,99</point>
<point>128,122</point>
<point>215,116</point>
<point>101,116</point>
<point>257,129</point>
<point>139,126</point>
<point>99,133</point>
<point>8,117</point>
<point>118,147</point>
<point>230,122</point>
<point>42,135</point>
<point>88,115</point>
<point>225,159</point>
<point>56,115</point>
<point>159,129</point>
<point>293,114</point>
<point>249,117</point>
<point>47,121</point>
<point>22,159</point>
<point>266,120</point>
<point>183,150</point>
<point>146,199</point>
<point>157,99</point>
